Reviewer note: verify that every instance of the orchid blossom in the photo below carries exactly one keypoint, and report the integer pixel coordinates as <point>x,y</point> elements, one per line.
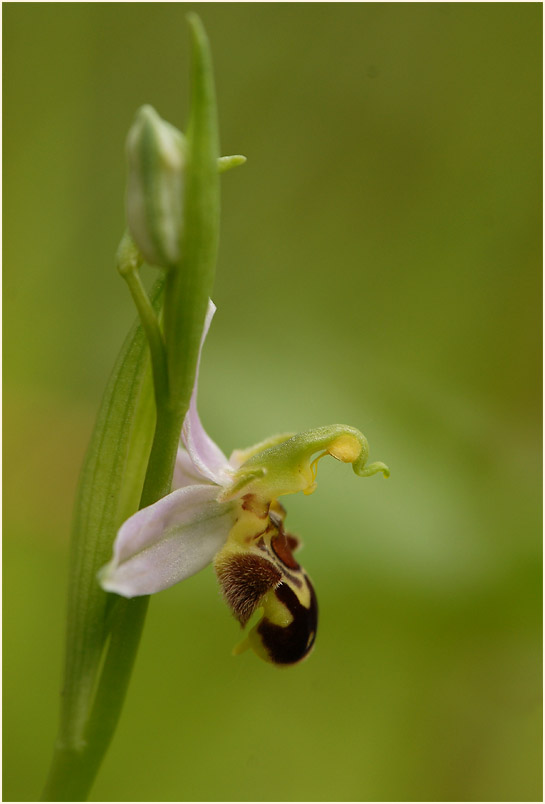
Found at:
<point>227,512</point>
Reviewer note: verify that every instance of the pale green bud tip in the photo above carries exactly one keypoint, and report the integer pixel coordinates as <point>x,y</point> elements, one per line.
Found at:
<point>156,157</point>
<point>128,257</point>
<point>228,162</point>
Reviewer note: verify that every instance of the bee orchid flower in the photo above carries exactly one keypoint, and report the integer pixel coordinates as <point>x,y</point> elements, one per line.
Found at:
<point>227,512</point>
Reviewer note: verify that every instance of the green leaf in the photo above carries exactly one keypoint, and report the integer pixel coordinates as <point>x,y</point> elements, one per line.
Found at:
<point>109,491</point>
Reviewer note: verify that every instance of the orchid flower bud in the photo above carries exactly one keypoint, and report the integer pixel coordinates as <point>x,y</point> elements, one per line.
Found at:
<point>155,192</point>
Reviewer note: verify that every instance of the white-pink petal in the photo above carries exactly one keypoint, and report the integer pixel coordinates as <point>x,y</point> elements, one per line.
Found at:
<point>205,453</point>
<point>167,542</point>
<point>185,471</point>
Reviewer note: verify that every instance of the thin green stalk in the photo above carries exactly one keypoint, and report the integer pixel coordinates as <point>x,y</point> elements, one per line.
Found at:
<point>153,332</point>
<point>158,479</point>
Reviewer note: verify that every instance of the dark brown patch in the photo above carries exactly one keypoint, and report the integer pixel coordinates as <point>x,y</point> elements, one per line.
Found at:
<point>256,506</point>
<point>291,643</point>
<point>244,580</point>
<point>293,542</point>
<point>282,548</point>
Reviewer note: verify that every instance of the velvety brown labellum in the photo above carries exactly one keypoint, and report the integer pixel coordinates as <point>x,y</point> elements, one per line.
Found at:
<point>244,579</point>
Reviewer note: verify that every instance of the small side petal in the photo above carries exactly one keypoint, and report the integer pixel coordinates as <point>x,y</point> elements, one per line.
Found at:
<point>167,542</point>
<point>205,453</point>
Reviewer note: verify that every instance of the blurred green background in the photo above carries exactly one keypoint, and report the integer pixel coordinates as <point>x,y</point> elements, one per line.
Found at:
<point>380,265</point>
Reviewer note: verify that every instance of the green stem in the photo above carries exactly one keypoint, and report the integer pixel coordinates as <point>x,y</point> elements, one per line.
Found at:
<point>74,767</point>
<point>70,776</point>
<point>158,480</point>
<point>151,327</point>
<point>129,261</point>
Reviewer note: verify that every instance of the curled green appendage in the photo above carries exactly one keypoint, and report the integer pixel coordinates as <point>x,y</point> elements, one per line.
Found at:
<point>291,464</point>
<point>373,469</point>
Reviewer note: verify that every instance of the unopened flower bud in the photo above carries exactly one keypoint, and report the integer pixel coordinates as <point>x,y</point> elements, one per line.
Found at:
<point>155,192</point>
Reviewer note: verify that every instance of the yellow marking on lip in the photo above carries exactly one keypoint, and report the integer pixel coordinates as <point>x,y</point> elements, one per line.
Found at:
<point>346,448</point>
<point>275,611</point>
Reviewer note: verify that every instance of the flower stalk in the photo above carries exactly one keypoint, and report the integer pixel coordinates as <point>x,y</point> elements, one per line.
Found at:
<point>129,261</point>
<point>132,452</point>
